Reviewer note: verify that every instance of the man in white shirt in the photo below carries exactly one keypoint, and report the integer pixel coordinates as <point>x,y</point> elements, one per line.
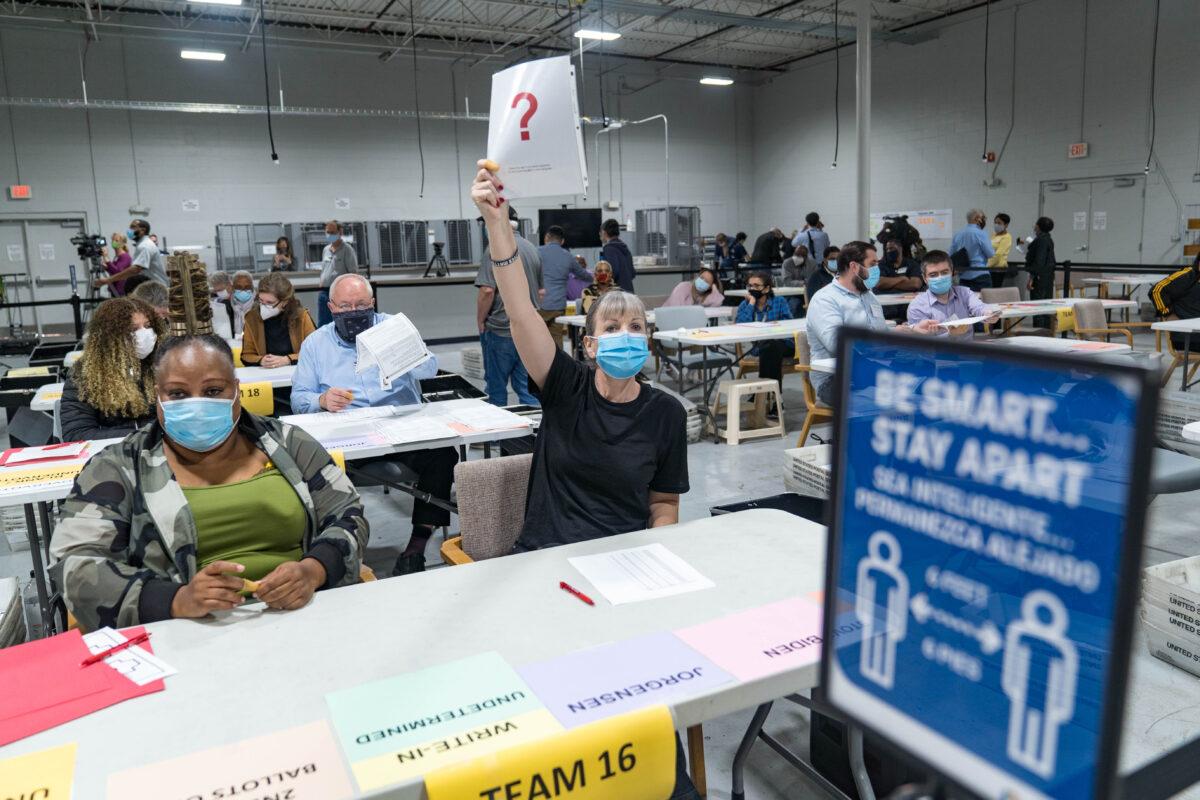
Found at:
<point>848,300</point>
<point>146,258</point>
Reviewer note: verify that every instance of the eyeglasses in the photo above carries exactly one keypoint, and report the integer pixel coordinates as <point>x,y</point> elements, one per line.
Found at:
<point>367,306</point>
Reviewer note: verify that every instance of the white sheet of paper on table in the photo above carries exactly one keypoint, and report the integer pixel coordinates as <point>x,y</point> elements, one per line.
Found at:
<point>26,454</point>
<point>404,430</point>
<point>394,346</point>
<point>485,417</point>
<point>640,573</point>
<point>135,663</point>
<point>954,323</point>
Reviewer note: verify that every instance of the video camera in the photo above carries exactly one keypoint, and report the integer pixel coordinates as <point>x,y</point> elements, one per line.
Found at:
<point>897,228</point>
<point>89,246</point>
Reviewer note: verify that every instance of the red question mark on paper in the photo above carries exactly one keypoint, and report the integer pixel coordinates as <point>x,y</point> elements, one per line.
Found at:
<point>529,112</point>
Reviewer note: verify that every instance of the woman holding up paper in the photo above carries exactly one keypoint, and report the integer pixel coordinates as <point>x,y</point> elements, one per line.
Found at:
<point>611,455</point>
<point>204,504</point>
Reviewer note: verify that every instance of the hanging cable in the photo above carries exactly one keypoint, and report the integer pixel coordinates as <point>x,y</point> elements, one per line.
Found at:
<point>1153,78</point>
<point>1012,98</point>
<point>837,83</point>
<point>87,118</point>
<point>1083,70</point>
<point>12,128</point>
<point>262,29</point>
<point>987,29</point>
<point>412,16</point>
<point>600,72</point>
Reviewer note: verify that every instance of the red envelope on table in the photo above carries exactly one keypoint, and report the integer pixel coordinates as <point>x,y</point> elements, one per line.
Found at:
<point>46,685</point>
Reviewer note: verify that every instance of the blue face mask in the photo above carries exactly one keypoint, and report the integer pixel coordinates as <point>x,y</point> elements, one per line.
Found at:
<point>131,233</point>
<point>701,285</point>
<point>872,278</point>
<point>243,295</point>
<point>831,265</point>
<point>622,355</point>
<point>198,423</point>
<point>331,237</point>
<point>941,284</point>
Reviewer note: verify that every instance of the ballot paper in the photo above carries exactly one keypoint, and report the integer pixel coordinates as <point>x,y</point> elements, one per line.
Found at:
<point>394,346</point>
<point>482,417</point>
<point>954,323</point>
<point>534,131</point>
<point>639,573</point>
<point>50,452</point>
<point>415,428</point>
<point>134,663</point>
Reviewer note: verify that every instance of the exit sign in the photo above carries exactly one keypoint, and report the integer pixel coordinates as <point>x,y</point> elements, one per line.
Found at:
<point>1077,150</point>
<point>20,191</point>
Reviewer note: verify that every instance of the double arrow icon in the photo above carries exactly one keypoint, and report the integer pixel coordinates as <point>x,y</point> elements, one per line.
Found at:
<point>987,634</point>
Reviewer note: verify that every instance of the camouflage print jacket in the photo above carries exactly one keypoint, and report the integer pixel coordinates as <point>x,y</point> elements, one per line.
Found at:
<point>127,539</point>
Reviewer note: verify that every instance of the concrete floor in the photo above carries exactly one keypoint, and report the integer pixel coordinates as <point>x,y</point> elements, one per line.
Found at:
<point>721,474</point>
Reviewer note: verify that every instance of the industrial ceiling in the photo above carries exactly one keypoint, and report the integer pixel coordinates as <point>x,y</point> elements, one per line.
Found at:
<point>741,36</point>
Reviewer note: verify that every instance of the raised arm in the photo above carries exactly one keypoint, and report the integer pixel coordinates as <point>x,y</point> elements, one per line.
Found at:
<point>529,331</point>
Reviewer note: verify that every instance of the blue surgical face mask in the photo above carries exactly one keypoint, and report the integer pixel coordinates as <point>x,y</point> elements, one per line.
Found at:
<point>831,265</point>
<point>940,284</point>
<point>198,423</point>
<point>872,278</point>
<point>622,355</point>
<point>701,285</point>
<point>331,237</point>
<point>131,233</point>
<point>243,295</point>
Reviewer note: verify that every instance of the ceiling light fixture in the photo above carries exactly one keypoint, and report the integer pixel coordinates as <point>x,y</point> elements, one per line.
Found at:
<point>717,81</point>
<point>219,2</point>
<point>603,36</point>
<point>202,55</point>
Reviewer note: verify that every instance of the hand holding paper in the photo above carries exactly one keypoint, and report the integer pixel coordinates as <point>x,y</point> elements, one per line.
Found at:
<point>394,346</point>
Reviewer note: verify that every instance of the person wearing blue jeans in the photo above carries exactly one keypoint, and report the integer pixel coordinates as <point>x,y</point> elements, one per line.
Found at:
<point>501,364</point>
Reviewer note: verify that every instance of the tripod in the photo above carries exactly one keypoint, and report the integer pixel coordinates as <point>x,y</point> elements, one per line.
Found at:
<point>438,260</point>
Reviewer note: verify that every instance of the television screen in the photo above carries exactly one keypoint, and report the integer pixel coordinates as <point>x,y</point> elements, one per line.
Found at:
<point>582,225</point>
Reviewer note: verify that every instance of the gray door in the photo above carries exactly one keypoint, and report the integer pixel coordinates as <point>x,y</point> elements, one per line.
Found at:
<point>14,271</point>
<point>50,255</point>
<point>1069,204</point>
<point>1096,220</point>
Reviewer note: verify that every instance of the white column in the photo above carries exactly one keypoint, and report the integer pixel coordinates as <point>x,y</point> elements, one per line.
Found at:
<point>862,114</point>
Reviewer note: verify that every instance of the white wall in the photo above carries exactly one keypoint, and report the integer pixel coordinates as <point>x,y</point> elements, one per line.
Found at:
<point>223,160</point>
<point>927,125</point>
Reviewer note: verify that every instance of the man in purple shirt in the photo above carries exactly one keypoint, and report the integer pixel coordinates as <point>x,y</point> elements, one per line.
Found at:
<point>944,301</point>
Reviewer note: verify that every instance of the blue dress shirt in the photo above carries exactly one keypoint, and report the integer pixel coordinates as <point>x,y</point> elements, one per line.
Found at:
<point>326,362</point>
<point>979,249</point>
<point>829,310</point>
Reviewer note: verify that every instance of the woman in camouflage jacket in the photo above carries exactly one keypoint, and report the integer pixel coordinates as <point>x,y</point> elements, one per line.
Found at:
<point>126,548</point>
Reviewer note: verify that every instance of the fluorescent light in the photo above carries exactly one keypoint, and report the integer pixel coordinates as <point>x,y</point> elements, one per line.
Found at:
<point>198,247</point>
<point>717,81</point>
<point>202,55</point>
<point>604,36</point>
<point>219,2</point>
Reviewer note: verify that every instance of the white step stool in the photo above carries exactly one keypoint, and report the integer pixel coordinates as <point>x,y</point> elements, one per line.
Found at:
<point>737,391</point>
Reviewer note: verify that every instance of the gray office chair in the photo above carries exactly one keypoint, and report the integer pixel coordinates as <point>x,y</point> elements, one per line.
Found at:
<point>670,318</point>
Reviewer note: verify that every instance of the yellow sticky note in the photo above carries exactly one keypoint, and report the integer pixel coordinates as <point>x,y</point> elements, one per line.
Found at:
<point>46,774</point>
<point>475,742</point>
<point>627,757</point>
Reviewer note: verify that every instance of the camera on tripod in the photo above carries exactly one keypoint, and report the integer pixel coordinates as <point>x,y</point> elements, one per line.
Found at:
<point>89,246</point>
<point>899,229</point>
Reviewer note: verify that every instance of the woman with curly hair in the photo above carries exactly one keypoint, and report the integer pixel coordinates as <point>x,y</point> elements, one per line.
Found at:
<point>109,392</point>
<point>276,326</point>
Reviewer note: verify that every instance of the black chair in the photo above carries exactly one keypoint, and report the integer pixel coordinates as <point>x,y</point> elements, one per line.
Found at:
<point>30,428</point>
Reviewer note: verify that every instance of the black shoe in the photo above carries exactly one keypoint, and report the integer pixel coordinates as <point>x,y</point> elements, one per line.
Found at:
<point>409,563</point>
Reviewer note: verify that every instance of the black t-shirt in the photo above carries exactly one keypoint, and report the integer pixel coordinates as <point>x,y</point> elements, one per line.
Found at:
<point>279,340</point>
<point>596,462</point>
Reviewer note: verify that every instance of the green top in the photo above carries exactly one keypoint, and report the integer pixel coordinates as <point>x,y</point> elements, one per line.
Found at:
<point>258,523</point>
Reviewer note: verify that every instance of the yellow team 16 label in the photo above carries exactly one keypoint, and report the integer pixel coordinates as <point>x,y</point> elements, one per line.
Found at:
<point>627,757</point>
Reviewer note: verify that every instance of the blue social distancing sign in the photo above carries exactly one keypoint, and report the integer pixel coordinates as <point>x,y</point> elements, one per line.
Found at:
<point>988,509</point>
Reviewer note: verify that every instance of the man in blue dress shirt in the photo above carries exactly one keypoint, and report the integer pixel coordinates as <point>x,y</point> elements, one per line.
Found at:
<point>325,380</point>
<point>979,250</point>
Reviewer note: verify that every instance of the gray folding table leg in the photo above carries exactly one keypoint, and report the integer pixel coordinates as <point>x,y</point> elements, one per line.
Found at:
<point>738,790</point>
<point>39,572</point>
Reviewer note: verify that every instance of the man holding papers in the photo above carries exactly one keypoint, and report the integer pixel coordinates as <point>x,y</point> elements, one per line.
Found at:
<point>945,303</point>
<point>326,380</point>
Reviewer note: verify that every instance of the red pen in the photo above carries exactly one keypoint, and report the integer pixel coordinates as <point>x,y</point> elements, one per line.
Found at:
<point>142,637</point>
<point>566,587</point>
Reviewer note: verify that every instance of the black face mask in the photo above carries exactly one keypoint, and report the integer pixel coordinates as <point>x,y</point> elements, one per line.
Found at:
<point>757,294</point>
<point>349,324</point>
<point>890,257</point>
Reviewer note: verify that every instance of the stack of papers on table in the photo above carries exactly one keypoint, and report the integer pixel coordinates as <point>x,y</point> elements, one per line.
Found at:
<point>640,573</point>
<point>382,425</point>
<point>480,418</point>
<point>19,456</point>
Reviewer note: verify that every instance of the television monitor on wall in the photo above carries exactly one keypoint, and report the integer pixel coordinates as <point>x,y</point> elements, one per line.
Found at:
<point>582,225</point>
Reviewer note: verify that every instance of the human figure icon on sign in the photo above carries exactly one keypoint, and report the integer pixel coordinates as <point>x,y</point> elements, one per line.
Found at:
<point>1038,675</point>
<point>881,607</point>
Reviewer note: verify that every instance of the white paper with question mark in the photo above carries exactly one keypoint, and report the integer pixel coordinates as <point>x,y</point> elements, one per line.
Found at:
<point>534,132</point>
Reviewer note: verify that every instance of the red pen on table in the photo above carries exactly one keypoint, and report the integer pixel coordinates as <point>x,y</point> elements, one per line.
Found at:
<point>566,587</point>
<point>141,637</point>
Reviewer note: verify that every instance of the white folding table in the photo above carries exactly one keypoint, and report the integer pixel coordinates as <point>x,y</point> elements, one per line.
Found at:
<point>1187,327</point>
